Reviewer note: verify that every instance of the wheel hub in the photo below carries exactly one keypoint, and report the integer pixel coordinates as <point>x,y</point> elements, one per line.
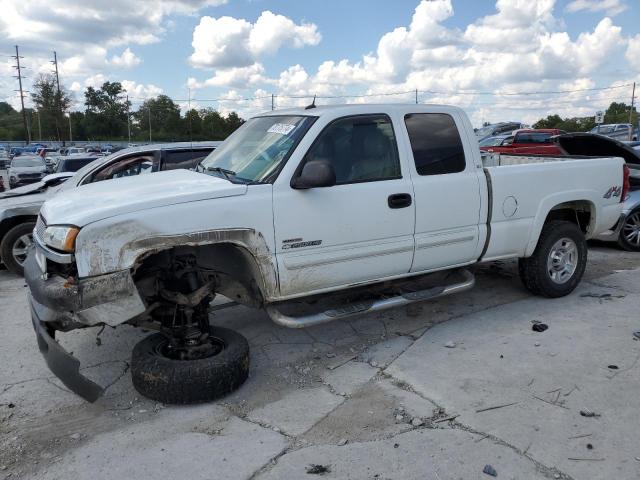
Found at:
<point>631,229</point>
<point>562,261</point>
<point>21,248</point>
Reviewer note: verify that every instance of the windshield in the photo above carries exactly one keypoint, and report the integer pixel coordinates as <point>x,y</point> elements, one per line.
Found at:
<point>257,149</point>
<point>27,162</point>
<point>484,131</point>
<point>603,129</point>
<point>492,141</point>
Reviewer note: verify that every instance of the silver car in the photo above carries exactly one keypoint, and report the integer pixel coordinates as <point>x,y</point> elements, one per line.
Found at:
<point>19,208</point>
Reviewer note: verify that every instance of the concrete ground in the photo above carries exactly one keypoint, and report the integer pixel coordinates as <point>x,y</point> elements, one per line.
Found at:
<point>435,391</point>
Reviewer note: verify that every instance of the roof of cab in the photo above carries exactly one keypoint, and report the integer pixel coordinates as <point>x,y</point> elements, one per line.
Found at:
<point>355,109</point>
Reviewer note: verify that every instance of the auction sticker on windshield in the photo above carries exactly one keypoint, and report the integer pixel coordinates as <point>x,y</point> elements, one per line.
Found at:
<point>281,128</point>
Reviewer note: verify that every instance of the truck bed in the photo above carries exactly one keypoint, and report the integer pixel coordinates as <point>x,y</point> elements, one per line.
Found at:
<point>522,187</point>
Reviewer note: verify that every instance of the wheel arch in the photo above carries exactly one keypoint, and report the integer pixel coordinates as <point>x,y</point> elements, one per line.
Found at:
<point>246,273</point>
<point>583,211</point>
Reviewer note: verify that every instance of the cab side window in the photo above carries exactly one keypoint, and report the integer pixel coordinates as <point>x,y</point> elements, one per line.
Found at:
<point>186,159</point>
<point>361,149</point>
<point>436,143</point>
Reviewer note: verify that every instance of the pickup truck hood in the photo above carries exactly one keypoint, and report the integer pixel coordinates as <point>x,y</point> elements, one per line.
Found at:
<point>90,203</point>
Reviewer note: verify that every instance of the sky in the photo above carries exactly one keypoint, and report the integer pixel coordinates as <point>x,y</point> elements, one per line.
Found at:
<point>499,60</point>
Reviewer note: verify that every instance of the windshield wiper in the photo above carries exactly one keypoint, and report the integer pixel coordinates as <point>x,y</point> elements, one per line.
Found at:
<point>227,173</point>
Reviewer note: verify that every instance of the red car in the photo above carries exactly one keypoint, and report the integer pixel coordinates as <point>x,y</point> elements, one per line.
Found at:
<point>530,142</point>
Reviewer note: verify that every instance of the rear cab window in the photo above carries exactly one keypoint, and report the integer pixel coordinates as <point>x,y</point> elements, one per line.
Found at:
<point>435,142</point>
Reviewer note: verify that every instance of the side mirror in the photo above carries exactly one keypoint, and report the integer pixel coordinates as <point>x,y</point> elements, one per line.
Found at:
<point>315,174</point>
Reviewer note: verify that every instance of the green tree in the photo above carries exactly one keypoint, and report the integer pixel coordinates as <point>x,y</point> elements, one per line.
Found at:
<point>106,111</point>
<point>49,106</point>
<point>164,116</point>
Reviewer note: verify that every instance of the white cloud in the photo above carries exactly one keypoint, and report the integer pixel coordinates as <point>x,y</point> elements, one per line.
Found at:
<point>633,52</point>
<point>228,42</point>
<point>87,34</point>
<point>140,91</point>
<point>237,77</point>
<point>126,59</point>
<point>610,7</point>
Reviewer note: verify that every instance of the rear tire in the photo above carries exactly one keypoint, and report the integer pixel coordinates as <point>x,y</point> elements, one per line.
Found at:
<point>629,238</point>
<point>558,263</point>
<point>173,381</point>
<point>14,247</point>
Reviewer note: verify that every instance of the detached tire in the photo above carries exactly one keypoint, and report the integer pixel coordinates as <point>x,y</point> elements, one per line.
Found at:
<point>558,262</point>
<point>174,381</point>
<point>14,247</point>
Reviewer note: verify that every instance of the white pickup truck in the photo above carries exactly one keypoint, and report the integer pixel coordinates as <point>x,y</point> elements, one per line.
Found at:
<point>314,215</point>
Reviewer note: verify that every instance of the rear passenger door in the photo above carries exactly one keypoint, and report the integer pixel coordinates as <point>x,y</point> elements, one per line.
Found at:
<point>446,189</point>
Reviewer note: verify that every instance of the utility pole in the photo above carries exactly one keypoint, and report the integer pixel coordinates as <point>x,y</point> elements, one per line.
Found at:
<point>24,113</point>
<point>416,96</point>
<point>149,110</point>
<point>189,113</point>
<point>58,98</point>
<point>273,102</point>
<point>39,127</point>
<point>633,100</point>
<point>70,136</point>
<point>128,121</point>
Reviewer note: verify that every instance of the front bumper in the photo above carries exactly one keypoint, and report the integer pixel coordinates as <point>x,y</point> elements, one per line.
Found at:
<point>63,365</point>
<point>58,305</point>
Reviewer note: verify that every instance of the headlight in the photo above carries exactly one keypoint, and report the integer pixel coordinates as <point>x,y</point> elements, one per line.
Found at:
<point>61,238</point>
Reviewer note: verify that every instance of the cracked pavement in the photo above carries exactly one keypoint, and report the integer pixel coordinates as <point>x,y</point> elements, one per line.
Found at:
<point>377,396</point>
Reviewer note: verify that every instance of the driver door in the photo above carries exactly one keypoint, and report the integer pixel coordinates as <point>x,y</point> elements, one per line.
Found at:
<point>355,231</point>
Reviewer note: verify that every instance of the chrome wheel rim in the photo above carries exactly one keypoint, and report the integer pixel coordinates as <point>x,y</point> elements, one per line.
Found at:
<point>21,247</point>
<point>631,229</point>
<point>562,261</point>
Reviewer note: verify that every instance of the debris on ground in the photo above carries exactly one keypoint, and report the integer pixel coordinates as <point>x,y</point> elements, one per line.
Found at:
<point>612,367</point>
<point>539,327</point>
<point>496,407</point>
<point>314,469</point>
<point>342,442</point>
<point>489,470</point>
<point>417,422</point>
<point>589,446</point>
<point>636,335</point>
<point>607,296</point>
<point>450,344</point>
<point>588,413</point>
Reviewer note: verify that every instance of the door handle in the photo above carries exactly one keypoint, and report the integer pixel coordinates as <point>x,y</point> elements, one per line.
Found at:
<point>399,200</point>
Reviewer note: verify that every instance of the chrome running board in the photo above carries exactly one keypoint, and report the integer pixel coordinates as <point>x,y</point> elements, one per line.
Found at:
<point>368,306</point>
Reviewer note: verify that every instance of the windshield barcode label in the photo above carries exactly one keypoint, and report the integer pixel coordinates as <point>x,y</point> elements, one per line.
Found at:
<point>281,128</point>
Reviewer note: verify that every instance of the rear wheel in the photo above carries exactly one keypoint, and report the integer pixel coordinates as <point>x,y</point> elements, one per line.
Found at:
<point>629,238</point>
<point>218,365</point>
<point>15,246</point>
<point>558,262</point>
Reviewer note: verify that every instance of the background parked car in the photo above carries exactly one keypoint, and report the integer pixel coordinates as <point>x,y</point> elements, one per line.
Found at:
<point>619,131</point>
<point>529,142</point>
<point>502,128</point>
<point>73,163</point>
<point>19,209</point>
<point>497,141</point>
<point>26,169</point>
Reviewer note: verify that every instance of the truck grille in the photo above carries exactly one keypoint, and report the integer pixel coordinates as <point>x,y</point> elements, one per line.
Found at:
<point>40,228</point>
